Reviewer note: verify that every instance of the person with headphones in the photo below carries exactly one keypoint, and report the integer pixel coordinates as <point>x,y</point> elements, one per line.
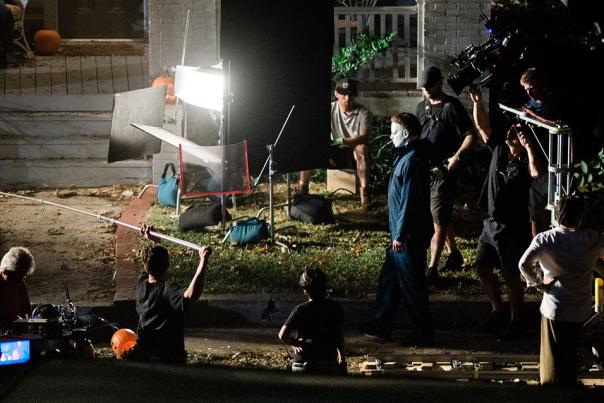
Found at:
<point>410,222</point>
<point>315,329</point>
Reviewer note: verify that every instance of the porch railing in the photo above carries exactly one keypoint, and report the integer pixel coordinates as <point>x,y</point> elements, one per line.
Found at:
<point>400,63</point>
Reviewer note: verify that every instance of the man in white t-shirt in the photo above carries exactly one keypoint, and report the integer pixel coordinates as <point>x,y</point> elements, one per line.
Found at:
<point>567,257</point>
<point>350,128</point>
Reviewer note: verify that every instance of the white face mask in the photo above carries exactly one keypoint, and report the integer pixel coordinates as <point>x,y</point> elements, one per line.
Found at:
<point>399,135</point>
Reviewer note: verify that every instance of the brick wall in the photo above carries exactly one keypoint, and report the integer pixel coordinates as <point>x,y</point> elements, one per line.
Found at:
<point>449,27</point>
<point>166,33</point>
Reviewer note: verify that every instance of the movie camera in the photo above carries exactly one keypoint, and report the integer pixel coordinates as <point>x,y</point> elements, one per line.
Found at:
<point>482,62</point>
<point>61,330</point>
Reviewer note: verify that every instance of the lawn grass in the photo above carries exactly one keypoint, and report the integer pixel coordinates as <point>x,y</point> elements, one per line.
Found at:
<point>351,251</point>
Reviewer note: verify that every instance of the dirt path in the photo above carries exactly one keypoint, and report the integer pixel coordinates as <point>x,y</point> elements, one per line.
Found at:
<point>68,246</point>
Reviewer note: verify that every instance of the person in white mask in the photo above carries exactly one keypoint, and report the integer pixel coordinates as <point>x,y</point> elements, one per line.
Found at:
<point>410,222</point>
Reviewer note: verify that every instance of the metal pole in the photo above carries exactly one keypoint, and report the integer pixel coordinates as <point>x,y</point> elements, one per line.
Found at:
<point>270,193</point>
<point>274,145</point>
<point>111,220</point>
<point>184,42</point>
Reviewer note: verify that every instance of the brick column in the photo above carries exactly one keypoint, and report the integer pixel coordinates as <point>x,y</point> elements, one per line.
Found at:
<point>449,27</point>
<point>166,32</point>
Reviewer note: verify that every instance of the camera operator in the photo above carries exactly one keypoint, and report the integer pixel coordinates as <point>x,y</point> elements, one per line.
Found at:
<point>506,232</point>
<point>446,123</point>
<point>542,106</point>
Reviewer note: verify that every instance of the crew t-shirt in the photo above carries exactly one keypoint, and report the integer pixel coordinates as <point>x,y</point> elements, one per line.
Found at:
<point>445,124</point>
<point>505,192</point>
<point>318,323</point>
<point>161,308</point>
<point>348,125</point>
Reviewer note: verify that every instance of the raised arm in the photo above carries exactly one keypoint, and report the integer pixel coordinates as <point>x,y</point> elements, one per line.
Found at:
<point>536,170</point>
<point>480,115</point>
<point>193,292</point>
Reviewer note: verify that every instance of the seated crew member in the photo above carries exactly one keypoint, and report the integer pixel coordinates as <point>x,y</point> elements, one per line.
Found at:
<point>315,329</point>
<point>161,305</point>
<point>350,127</point>
<point>506,230</point>
<point>567,256</point>
<point>16,264</point>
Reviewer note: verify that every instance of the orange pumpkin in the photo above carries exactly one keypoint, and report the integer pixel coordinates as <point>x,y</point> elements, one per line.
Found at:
<point>47,42</point>
<point>167,81</point>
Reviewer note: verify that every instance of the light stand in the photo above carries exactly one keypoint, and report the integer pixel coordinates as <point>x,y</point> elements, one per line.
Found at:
<point>559,157</point>
<point>206,88</point>
<point>271,171</point>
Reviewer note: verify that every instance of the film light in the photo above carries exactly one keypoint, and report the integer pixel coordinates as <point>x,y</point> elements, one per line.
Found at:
<point>200,87</point>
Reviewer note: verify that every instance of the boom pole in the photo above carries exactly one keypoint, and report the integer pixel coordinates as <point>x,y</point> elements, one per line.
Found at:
<point>111,220</point>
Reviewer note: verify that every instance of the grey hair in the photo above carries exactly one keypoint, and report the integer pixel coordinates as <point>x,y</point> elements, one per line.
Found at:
<point>18,259</point>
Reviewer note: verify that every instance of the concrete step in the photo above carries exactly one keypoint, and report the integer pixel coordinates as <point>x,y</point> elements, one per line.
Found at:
<point>67,172</point>
<point>61,142</point>
<point>46,135</point>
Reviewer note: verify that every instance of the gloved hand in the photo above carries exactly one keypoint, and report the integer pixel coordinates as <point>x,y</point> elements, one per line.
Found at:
<point>338,142</point>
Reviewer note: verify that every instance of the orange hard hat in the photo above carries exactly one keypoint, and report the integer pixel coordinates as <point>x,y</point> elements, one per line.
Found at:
<point>122,341</point>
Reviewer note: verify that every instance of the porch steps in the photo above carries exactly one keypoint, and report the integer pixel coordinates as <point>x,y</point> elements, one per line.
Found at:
<point>61,142</point>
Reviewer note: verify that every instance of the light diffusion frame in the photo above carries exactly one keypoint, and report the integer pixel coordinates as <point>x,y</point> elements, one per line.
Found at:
<point>214,170</point>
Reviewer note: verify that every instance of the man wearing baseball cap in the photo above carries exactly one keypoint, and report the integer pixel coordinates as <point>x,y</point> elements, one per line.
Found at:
<point>350,128</point>
<point>446,123</point>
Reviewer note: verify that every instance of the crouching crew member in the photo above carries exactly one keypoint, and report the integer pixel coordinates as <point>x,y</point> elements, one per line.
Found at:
<point>315,329</point>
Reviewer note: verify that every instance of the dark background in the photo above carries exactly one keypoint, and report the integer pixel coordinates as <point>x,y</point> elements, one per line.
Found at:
<point>280,55</point>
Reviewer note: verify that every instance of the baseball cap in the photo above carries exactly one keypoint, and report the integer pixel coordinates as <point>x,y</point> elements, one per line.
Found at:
<point>429,77</point>
<point>347,86</point>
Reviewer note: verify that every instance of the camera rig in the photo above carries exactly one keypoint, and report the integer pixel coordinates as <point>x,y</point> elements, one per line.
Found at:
<point>559,155</point>
<point>482,62</point>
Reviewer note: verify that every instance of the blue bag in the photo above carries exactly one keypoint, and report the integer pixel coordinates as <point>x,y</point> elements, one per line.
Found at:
<point>167,188</point>
<point>252,230</point>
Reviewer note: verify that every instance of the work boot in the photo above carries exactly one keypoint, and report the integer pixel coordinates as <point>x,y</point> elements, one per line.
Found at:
<point>365,197</point>
<point>431,275</point>
<point>454,261</point>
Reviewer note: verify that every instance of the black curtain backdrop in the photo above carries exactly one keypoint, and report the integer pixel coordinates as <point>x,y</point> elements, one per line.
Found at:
<point>280,55</point>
